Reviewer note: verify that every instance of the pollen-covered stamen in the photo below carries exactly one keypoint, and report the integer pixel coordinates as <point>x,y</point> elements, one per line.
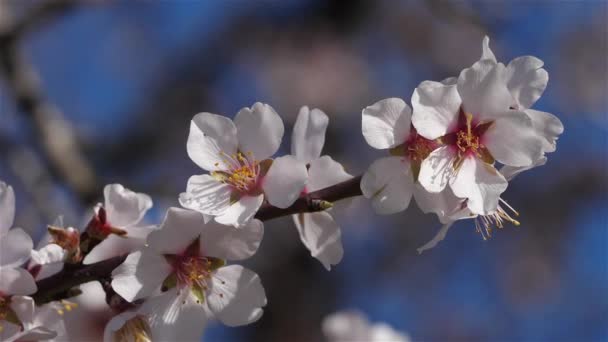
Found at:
<point>467,139</point>
<point>134,330</point>
<point>485,224</point>
<point>6,312</point>
<point>64,306</point>
<point>242,171</point>
<point>417,147</point>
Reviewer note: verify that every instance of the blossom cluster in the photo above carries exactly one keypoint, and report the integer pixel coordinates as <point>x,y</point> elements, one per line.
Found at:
<point>454,150</point>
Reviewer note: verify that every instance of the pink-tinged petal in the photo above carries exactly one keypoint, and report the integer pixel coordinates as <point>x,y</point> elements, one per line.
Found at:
<point>436,239</point>
<point>322,236</point>
<point>548,126</point>
<point>285,181</point>
<point>437,168</point>
<point>444,204</point>
<point>207,195</point>
<point>486,52</point>
<point>324,172</point>
<point>174,316</point>
<point>48,254</point>
<point>241,211</point>
<point>526,79</point>
<point>436,107</point>
<point>49,270</point>
<point>512,140</point>
<point>16,281</point>
<point>24,308</point>
<point>125,207</point>
<point>260,130</point>
<point>140,275</point>
<point>483,90</point>
<point>308,135</point>
<point>7,207</point>
<point>236,295</point>
<point>211,137</point>
<point>509,172</point>
<point>179,229</point>
<point>389,184</point>
<point>230,243</point>
<point>115,245</point>
<point>480,183</point>
<point>386,123</point>
<point>15,248</point>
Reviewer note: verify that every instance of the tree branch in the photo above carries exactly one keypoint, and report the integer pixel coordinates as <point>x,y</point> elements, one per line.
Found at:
<point>51,288</point>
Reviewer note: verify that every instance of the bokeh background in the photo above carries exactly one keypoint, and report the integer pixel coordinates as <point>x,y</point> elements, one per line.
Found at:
<point>127,76</point>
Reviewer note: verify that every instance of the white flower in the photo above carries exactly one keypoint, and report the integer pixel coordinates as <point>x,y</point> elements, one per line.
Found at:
<point>241,175</point>
<point>350,326</point>
<point>318,231</point>
<point>91,314</point>
<point>15,249</point>
<point>29,322</point>
<point>390,182</point>
<point>185,258</point>
<point>118,223</point>
<point>478,121</point>
<point>455,209</point>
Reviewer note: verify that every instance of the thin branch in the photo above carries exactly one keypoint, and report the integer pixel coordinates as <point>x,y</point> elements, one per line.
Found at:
<point>51,288</point>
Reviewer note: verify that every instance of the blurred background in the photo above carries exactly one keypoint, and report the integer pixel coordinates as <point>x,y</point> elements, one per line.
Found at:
<point>97,92</point>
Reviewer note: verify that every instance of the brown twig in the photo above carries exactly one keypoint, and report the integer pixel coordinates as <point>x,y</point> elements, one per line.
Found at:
<point>52,287</point>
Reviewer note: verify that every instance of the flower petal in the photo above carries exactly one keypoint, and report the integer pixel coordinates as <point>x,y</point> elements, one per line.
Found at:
<point>486,52</point>
<point>436,169</point>
<point>324,172</point>
<point>16,281</point>
<point>125,207</point>
<point>230,243</point>
<point>483,90</point>
<point>260,130</point>
<point>509,172</point>
<point>386,123</point>
<point>480,183</point>
<point>140,274</point>
<point>115,245</point>
<point>207,195</point>
<point>436,239</point>
<point>322,236</point>
<point>236,295</point>
<point>178,230</point>
<point>526,79</point>
<point>512,140</point>
<point>389,184</point>
<point>548,126</point>
<point>15,248</point>
<point>284,181</point>
<point>436,107</point>
<point>211,137</point>
<point>175,316</point>
<point>444,204</point>
<point>7,207</point>
<point>241,211</point>
<point>48,254</point>
<point>308,135</point>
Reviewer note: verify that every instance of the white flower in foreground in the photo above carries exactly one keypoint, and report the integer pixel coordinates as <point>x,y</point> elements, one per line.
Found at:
<point>87,321</point>
<point>477,122</point>
<point>118,223</point>
<point>241,175</point>
<point>34,323</point>
<point>391,181</point>
<point>484,224</point>
<point>318,231</point>
<point>350,326</point>
<point>185,259</point>
<point>15,249</point>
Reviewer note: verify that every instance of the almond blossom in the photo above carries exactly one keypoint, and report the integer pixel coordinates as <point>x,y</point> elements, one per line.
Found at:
<point>33,323</point>
<point>118,223</point>
<point>186,260</point>
<point>348,326</point>
<point>318,231</point>
<point>390,182</point>
<point>478,122</point>
<point>241,175</point>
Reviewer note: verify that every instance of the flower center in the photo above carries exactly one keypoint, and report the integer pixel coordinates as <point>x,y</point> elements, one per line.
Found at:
<point>6,313</point>
<point>134,330</point>
<point>467,139</point>
<point>417,147</point>
<point>243,172</point>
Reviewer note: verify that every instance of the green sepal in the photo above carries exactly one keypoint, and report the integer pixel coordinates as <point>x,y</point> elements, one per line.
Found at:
<point>169,282</point>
